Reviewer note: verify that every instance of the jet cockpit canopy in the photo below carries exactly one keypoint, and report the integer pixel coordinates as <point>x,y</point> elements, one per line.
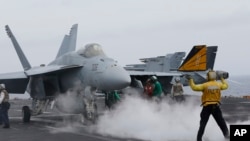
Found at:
<point>91,50</point>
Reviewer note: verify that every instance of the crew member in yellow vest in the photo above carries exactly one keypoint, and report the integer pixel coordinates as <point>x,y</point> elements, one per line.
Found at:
<point>211,95</point>
<point>4,106</point>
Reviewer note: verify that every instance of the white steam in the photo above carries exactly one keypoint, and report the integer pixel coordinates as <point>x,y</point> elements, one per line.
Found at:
<point>73,100</point>
<point>138,118</point>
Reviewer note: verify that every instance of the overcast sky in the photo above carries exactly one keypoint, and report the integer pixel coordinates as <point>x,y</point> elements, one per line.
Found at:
<point>128,29</point>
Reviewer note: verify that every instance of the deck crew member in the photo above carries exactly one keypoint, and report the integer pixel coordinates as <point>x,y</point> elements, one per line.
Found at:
<point>211,95</point>
<point>4,106</point>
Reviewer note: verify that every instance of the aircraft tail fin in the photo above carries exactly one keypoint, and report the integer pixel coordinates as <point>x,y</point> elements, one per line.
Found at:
<point>176,60</point>
<point>200,58</point>
<point>69,42</point>
<point>26,65</point>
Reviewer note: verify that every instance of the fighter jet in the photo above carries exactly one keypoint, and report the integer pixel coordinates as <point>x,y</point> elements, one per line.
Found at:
<point>82,70</point>
<point>200,59</point>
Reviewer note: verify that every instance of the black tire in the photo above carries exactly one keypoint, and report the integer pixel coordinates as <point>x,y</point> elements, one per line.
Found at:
<point>26,113</point>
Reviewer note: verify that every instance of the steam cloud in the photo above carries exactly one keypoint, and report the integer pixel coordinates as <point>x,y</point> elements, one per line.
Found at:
<point>142,119</point>
<point>138,118</point>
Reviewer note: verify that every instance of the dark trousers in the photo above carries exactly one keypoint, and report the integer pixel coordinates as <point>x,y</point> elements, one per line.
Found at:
<point>4,108</point>
<point>1,119</point>
<point>179,98</point>
<point>217,114</point>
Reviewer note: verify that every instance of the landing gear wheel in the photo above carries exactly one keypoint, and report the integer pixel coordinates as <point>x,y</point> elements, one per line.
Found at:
<point>89,118</point>
<point>26,113</point>
<point>94,115</point>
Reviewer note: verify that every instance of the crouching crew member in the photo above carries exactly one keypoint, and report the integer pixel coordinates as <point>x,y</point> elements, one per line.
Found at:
<point>111,98</point>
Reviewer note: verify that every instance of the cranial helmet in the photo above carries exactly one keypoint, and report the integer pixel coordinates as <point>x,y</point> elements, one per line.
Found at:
<point>211,75</point>
<point>177,79</point>
<point>153,78</point>
<point>2,86</point>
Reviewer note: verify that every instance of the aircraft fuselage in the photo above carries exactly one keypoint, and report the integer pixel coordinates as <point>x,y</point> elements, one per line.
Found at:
<point>100,72</point>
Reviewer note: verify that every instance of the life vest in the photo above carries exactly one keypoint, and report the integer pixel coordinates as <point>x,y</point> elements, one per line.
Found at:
<point>177,89</point>
<point>6,96</point>
<point>211,94</point>
<point>148,89</point>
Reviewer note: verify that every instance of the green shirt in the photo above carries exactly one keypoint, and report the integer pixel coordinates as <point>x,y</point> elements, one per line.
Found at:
<point>157,89</point>
<point>112,96</point>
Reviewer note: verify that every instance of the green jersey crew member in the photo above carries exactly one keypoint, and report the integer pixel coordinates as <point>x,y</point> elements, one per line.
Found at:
<point>157,89</point>
<point>111,98</point>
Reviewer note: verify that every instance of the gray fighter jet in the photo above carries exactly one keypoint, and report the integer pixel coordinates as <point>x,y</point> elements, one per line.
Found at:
<point>82,71</point>
<point>200,59</point>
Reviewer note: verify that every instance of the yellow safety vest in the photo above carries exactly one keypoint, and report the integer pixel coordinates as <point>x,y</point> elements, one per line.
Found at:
<point>211,91</point>
<point>211,94</point>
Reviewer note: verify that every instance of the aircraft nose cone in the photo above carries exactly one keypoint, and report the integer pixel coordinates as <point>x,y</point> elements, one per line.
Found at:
<point>118,78</point>
<point>121,80</point>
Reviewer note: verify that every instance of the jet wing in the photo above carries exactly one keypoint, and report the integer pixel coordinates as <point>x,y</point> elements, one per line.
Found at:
<point>50,69</point>
<point>17,82</point>
<point>13,75</point>
<point>142,73</point>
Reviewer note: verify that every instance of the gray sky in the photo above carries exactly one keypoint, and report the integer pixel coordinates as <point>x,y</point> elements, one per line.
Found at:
<point>128,29</point>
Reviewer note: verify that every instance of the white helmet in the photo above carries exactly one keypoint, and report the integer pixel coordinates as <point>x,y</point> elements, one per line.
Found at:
<point>2,86</point>
<point>177,79</point>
